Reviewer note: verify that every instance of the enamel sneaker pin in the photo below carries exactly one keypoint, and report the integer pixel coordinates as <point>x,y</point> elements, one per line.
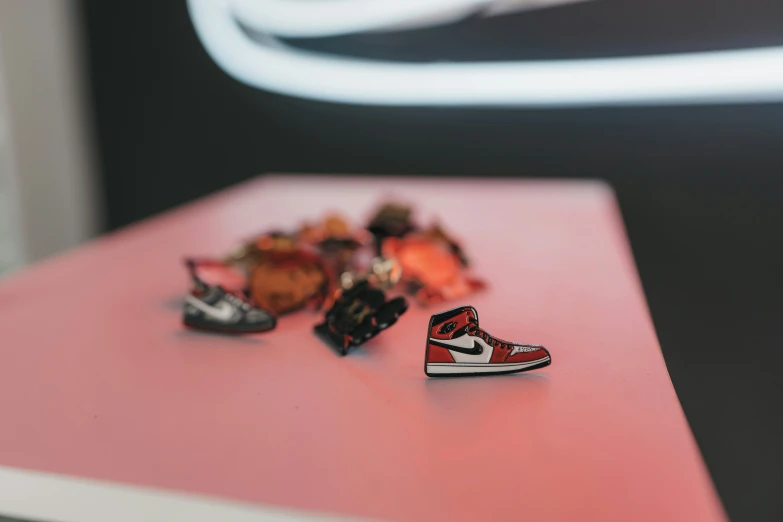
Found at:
<point>457,346</point>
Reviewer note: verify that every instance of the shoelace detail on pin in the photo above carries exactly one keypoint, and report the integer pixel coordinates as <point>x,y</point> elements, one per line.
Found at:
<point>238,302</point>
<point>473,329</point>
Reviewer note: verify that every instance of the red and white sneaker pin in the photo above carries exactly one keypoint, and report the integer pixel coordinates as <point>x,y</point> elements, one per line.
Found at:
<point>457,346</point>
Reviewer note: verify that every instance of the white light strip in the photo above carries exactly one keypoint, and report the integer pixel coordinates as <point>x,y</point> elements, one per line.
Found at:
<point>58,498</point>
<point>307,18</point>
<point>711,77</point>
<point>504,7</point>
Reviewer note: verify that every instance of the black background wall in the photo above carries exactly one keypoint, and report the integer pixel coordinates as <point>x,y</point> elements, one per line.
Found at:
<point>700,187</point>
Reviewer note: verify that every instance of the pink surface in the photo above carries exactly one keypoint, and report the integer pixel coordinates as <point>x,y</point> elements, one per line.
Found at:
<point>98,379</point>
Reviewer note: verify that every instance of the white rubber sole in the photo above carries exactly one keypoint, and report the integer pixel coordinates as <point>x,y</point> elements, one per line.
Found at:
<point>471,368</point>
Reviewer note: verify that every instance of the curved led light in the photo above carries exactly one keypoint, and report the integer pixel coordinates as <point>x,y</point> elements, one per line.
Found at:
<point>333,17</point>
<point>723,76</point>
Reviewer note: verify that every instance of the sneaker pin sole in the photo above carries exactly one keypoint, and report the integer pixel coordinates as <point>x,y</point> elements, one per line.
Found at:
<point>463,369</point>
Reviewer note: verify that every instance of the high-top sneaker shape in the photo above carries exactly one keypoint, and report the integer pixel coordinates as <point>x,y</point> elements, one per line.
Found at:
<point>457,346</point>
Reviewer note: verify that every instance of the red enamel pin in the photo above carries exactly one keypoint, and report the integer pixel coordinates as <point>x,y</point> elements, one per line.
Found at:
<point>456,346</point>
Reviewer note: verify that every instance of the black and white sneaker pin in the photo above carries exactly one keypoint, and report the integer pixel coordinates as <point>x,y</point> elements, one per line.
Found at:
<point>212,308</point>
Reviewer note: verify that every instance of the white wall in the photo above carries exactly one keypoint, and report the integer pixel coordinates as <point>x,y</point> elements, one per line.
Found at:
<point>10,246</point>
<point>47,175</point>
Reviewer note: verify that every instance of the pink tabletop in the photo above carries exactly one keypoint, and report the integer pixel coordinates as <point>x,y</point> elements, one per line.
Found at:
<point>98,378</point>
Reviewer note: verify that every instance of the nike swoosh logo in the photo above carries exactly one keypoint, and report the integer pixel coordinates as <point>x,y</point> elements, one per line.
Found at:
<point>477,349</point>
<point>223,312</point>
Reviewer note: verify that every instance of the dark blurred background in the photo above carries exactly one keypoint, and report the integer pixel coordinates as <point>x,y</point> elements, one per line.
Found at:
<point>700,186</point>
